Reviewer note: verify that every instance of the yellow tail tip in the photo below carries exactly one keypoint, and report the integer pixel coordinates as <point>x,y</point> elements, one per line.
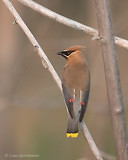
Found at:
<point>73,135</point>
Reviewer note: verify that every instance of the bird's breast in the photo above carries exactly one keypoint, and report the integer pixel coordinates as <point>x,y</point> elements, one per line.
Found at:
<point>76,77</point>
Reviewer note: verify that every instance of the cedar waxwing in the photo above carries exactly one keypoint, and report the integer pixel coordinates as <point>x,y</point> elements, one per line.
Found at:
<point>76,86</point>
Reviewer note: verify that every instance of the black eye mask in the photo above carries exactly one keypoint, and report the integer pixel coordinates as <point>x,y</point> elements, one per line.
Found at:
<point>65,54</point>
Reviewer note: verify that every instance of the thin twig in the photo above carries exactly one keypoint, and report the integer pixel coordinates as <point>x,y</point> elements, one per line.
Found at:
<point>69,22</point>
<point>107,156</point>
<point>90,140</point>
<point>50,68</point>
<point>45,61</point>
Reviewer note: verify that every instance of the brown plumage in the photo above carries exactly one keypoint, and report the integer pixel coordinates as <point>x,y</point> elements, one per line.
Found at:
<point>76,86</point>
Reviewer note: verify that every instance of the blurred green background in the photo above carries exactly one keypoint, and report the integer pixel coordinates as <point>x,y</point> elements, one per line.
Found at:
<point>33,117</point>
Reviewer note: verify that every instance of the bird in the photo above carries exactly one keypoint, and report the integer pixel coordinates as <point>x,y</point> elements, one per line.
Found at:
<point>75,86</point>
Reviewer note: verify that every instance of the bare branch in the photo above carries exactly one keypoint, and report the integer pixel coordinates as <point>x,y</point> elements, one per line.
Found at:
<point>107,156</point>
<point>50,68</point>
<point>112,78</point>
<point>121,42</point>
<point>37,48</point>
<point>59,18</point>
<point>69,22</point>
<point>90,140</point>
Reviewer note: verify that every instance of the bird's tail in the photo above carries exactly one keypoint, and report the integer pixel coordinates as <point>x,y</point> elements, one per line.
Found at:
<point>72,130</point>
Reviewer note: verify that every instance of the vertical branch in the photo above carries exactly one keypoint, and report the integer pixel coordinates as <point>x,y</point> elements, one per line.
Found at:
<point>112,78</point>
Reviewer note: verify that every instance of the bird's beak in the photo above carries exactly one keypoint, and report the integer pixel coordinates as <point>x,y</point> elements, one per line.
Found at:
<point>60,53</point>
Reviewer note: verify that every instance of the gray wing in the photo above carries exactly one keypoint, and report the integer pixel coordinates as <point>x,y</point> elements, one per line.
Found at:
<point>84,104</point>
<point>68,96</point>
